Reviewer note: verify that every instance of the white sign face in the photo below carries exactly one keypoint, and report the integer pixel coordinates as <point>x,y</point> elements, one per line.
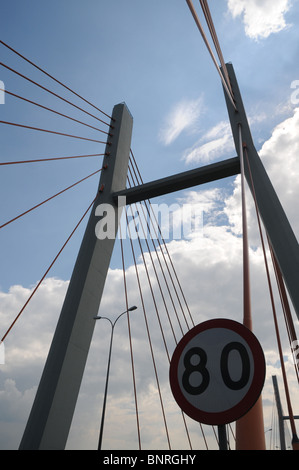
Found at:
<point>217,371</point>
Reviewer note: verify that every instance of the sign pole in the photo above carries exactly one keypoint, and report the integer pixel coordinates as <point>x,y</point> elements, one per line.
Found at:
<point>222,437</point>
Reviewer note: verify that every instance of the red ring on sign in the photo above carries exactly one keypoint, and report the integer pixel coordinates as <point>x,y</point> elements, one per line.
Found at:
<point>252,395</point>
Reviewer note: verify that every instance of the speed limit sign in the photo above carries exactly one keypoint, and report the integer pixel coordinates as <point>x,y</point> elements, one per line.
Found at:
<point>217,371</point>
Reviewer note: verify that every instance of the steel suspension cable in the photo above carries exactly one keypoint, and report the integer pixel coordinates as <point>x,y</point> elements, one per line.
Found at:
<point>54,94</point>
<point>139,180</point>
<point>162,270</point>
<point>47,271</point>
<point>165,305</point>
<point>130,338</point>
<point>285,306</point>
<point>232,431</point>
<point>52,159</point>
<point>149,208</point>
<point>210,23</point>
<point>49,199</point>
<point>151,288</point>
<point>194,14</point>
<point>52,132</point>
<point>148,334</point>
<point>286,387</point>
<point>54,111</point>
<point>53,78</point>
<point>157,277</point>
<point>158,316</point>
<point>133,168</point>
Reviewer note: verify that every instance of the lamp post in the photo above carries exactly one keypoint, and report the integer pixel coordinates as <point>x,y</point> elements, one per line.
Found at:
<point>108,368</point>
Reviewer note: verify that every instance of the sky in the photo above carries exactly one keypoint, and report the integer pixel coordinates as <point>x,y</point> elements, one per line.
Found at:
<point>151,56</point>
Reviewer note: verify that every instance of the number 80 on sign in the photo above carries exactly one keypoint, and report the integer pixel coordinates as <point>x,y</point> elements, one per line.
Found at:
<point>217,371</point>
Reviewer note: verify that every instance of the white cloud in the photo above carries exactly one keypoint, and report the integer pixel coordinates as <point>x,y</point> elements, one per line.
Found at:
<point>261,17</point>
<point>26,348</point>
<point>279,156</point>
<point>183,116</point>
<point>213,145</point>
<point>210,271</point>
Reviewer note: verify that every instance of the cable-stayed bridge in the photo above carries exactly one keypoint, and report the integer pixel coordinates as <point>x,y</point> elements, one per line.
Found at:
<point>121,178</point>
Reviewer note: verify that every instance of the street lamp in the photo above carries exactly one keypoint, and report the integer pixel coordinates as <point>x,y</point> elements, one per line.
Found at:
<point>108,368</point>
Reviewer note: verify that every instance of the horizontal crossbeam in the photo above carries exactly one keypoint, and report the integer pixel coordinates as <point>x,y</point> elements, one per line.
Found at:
<point>187,179</point>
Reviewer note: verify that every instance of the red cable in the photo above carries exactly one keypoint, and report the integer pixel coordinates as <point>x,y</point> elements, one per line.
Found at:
<point>49,199</point>
<point>209,19</point>
<point>51,159</point>
<point>52,132</point>
<point>42,279</point>
<point>50,76</point>
<point>54,94</point>
<point>194,14</point>
<point>53,111</point>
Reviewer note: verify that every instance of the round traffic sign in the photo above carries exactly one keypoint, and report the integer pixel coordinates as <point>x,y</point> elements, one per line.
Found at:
<point>217,371</point>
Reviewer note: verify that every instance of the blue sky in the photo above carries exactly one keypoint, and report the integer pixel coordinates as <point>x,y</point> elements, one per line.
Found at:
<point>150,55</point>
